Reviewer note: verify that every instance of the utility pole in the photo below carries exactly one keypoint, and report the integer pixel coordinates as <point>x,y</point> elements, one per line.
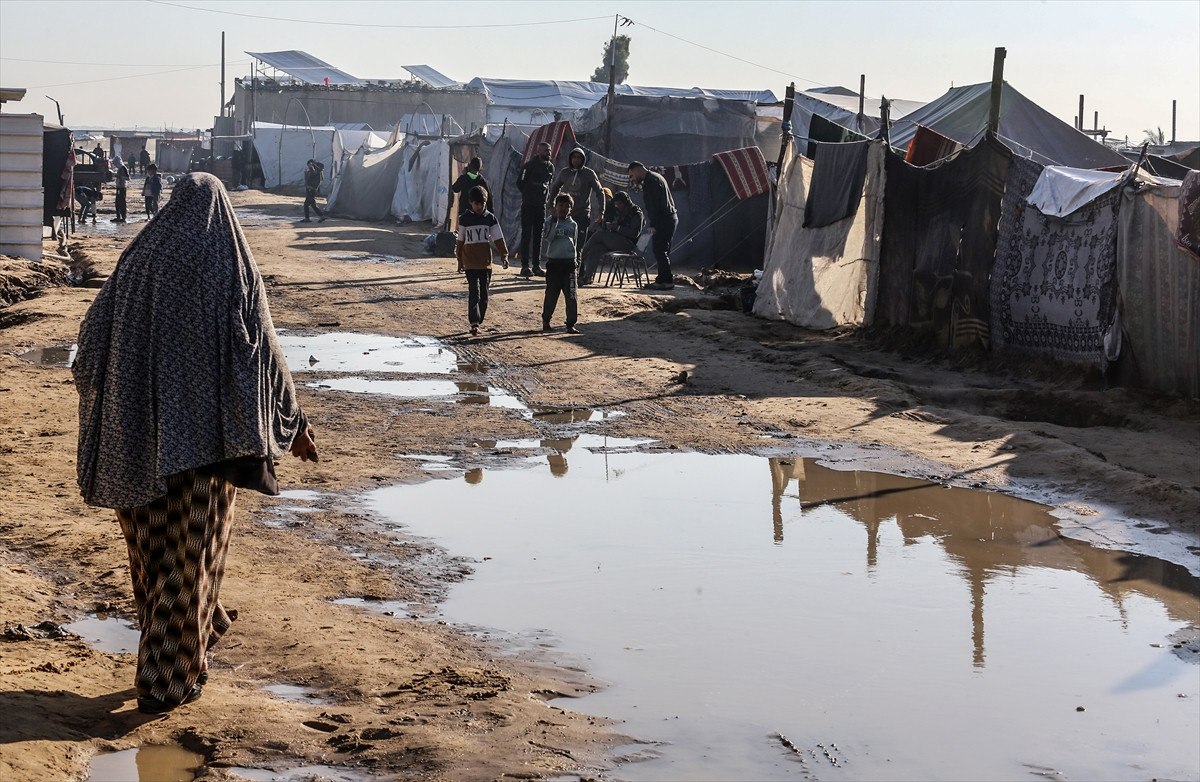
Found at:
<point>997,85</point>
<point>612,85</point>
<point>1080,113</point>
<point>221,111</point>
<point>1173,120</point>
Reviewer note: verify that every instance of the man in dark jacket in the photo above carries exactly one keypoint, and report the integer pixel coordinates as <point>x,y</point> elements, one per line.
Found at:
<point>533,183</point>
<point>617,235</point>
<point>471,178</point>
<point>314,172</point>
<point>583,185</point>
<point>663,219</point>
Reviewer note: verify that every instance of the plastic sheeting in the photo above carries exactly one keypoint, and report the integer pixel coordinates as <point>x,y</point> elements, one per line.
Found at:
<point>284,151</point>
<point>569,95</point>
<point>367,183</point>
<point>1159,287</point>
<point>422,191</point>
<point>1060,191</point>
<point>662,131</point>
<point>962,114</point>
<point>820,278</point>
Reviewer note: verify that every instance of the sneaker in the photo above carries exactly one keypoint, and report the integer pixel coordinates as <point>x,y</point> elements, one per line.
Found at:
<point>573,330</point>
<point>474,331</point>
<point>322,219</point>
<point>537,272</point>
<point>525,272</point>
<point>546,328</point>
<point>306,220</point>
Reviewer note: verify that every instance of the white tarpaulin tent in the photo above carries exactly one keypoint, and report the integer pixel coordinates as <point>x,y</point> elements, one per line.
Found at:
<point>423,185</point>
<point>285,150</point>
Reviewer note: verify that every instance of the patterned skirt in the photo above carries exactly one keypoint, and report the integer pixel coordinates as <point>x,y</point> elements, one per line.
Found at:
<point>177,547</point>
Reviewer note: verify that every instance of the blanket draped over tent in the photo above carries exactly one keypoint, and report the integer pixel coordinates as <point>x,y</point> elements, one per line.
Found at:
<point>1188,232</point>
<point>747,171</point>
<point>1052,288</point>
<point>839,171</point>
<point>555,134</point>
<point>1159,284</point>
<point>821,277</point>
<point>939,242</point>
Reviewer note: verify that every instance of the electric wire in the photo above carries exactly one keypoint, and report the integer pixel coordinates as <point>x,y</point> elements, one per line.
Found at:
<point>132,76</point>
<point>376,25</point>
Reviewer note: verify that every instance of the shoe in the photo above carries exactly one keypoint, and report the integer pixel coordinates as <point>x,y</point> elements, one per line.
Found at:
<point>202,679</point>
<point>546,328</point>
<point>525,272</point>
<point>322,219</point>
<point>537,272</point>
<point>584,282</point>
<point>148,705</point>
<point>474,331</point>
<point>306,220</point>
<point>573,330</point>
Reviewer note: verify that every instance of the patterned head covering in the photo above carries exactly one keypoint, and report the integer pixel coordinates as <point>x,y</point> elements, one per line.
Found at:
<point>178,365</point>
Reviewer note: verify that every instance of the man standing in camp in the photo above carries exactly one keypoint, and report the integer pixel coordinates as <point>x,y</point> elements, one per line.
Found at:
<point>534,183</point>
<point>314,172</point>
<point>581,183</point>
<point>663,219</point>
<point>144,159</point>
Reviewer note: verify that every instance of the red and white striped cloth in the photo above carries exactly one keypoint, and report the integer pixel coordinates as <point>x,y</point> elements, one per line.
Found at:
<point>747,171</point>
<point>554,134</point>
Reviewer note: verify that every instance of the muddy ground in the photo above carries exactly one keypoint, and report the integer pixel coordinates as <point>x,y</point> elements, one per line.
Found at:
<point>420,699</point>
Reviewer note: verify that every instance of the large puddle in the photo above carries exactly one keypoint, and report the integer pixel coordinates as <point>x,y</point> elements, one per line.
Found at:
<point>350,352</point>
<point>51,356</point>
<point>774,619</point>
<point>152,763</point>
<point>107,633</point>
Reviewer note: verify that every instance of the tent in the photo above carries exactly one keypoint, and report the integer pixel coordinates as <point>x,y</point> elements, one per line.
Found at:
<point>284,151</point>
<point>663,130</point>
<point>422,189</point>
<point>1025,127</point>
<point>840,106</point>
<point>366,183</point>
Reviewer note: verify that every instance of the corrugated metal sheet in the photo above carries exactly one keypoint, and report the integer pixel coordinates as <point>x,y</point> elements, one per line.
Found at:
<point>430,76</point>
<point>21,185</point>
<point>302,66</point>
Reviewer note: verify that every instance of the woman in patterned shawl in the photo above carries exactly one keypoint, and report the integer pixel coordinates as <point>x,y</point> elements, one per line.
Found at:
<point>184,397</point>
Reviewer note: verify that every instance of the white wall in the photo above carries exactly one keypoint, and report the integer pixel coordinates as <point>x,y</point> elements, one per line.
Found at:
<point>21,185</point>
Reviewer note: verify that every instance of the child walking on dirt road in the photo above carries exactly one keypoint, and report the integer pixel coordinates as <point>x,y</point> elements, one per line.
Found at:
<point>479,233</point>
<point>559,240</point>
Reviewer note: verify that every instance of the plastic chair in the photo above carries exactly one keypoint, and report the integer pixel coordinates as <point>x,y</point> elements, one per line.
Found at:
<point>626,266</point>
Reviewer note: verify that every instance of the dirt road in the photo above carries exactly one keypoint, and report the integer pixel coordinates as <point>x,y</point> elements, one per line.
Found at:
<point>422,699</point>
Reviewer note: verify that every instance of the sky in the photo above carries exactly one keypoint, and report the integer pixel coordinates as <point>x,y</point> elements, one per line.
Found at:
<point>150,63</point>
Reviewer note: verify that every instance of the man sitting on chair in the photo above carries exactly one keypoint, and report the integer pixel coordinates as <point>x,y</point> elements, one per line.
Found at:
<point>618,235</point>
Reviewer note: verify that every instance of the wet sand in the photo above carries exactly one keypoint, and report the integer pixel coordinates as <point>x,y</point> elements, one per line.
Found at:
<point>413,696</point>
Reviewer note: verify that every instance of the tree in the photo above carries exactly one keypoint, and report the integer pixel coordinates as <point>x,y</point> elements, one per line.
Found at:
<point>622,44</point>
<point>1155,136</point>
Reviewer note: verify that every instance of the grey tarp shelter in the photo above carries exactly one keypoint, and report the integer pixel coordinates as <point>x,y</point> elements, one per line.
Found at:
<point>1028,129</point>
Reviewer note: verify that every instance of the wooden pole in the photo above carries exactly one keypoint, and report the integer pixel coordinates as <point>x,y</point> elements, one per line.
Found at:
<point>789,100</point>
<point>221,111</point>
<point>1095,120</point>
<point>1173,121</point>
<point>997,84</point>
<point>612,86</point>
<point>1080,112</point>
<point>862,93</point>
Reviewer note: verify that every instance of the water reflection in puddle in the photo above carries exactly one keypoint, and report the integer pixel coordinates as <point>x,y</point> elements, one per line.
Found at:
<point>300,495</point>
<point>301,774</point>
<point>350,352</point>
<point>107,633</point>
<point>899,628</point>
<point>51,356</point>
<point>153,763</point>
<point>460,391</point>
